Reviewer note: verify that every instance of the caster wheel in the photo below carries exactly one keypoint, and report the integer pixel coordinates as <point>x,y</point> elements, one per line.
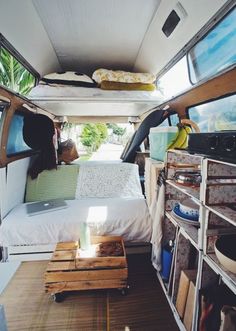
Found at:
<point>58,297</point>
<point>124,291</point>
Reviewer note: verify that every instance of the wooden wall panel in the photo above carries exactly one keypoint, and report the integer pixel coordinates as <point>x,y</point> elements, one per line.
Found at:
<point>212,89</point>
<point>17,103</point>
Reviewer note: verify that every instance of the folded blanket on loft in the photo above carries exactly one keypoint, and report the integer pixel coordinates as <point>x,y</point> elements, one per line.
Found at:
<point>120,76</point>
<point>68,78</point>
<point>106,85</point>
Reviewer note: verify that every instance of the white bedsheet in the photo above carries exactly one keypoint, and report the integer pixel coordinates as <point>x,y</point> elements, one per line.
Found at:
<point>112,216</point>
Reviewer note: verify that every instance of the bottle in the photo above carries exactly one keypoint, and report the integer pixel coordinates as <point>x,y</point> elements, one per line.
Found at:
<point>84,236</point>
<point>167,253</point>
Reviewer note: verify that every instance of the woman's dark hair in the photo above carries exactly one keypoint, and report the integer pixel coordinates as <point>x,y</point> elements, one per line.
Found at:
<point>38,132</point>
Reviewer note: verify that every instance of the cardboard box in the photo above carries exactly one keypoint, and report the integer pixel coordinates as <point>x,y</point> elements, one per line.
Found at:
<point>185,277</point>
<point>188,314</point>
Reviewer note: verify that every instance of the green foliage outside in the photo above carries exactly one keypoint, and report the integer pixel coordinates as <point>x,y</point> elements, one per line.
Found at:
<point>13,75</point>
<point>116,129</point>
<point>93,135</point>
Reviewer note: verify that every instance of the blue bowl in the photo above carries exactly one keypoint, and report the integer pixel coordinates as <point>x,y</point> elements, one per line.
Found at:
<point>187,217</point>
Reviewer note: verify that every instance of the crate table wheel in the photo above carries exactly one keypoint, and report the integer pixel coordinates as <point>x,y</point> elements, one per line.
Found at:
<point>124,290</point>
<point>58,297</point>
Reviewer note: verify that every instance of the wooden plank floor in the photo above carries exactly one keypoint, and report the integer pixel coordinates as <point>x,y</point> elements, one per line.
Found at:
<point>145,308</point>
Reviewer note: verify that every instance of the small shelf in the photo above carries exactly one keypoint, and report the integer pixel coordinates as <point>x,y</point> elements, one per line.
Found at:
<point>228,277</point>
<point>189,231</point>
<point>224,212</point>
<point>190,191</point>
<point>194,246</point>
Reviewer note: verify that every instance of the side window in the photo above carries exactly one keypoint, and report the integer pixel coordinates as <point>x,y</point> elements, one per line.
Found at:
<point>172,120</point>
<point>215,115</point>
<point>175,80</point>
<point>15,73</point>
<point>216,51</point>
<point>165,123</point>
<point>15,142</point>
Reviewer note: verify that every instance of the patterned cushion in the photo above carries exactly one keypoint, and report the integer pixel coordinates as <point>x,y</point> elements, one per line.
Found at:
<point>108,180</point>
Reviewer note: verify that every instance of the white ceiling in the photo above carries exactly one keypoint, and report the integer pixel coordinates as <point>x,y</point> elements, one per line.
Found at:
<point>87,35</point>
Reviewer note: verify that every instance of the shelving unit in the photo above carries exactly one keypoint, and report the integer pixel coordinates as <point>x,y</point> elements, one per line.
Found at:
<point>194,245</point>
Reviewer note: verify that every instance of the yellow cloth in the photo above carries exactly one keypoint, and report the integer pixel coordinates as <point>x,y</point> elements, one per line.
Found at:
<point>106,85</point>
<point>100,75</point>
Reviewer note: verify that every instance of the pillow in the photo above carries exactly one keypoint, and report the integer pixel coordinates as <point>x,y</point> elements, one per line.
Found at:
<point>106,85</point>
<point>69,78</point>
<point>53,184</point>
<point>122,76</point>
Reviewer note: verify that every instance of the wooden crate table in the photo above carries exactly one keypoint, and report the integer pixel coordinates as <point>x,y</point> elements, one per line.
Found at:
<point>102,266</point>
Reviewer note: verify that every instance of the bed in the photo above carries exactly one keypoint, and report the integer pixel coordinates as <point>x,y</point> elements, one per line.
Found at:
<point>127,217</point>
<point>83,101</point>
<point>108,198</point>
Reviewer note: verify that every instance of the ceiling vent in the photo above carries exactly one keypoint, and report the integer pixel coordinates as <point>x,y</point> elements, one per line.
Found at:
<point>177,14</point>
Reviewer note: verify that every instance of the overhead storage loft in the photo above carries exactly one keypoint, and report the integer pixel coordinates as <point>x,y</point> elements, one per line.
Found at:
<point>82,101</point>
<point>83,36</point>
<point>86,35</point>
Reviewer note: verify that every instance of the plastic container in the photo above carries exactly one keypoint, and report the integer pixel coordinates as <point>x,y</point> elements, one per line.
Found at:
<point>166,260</point>
<point>159,139</point>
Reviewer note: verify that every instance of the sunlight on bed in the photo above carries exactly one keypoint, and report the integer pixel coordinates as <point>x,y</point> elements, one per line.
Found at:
<point>97,214</point>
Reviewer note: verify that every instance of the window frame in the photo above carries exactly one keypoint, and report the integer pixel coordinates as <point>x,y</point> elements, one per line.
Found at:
<point>220,72</point>
<point>17,103</point>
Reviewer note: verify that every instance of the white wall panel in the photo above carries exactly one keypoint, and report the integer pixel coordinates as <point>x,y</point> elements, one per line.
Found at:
<point>157,50</point>
<point>21,26</point>
<point>15,184</point>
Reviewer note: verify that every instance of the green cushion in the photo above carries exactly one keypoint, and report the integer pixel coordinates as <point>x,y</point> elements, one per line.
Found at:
<point>53,184</point>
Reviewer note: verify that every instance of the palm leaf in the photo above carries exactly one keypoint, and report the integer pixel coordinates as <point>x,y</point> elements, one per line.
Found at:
<point>14,75</point>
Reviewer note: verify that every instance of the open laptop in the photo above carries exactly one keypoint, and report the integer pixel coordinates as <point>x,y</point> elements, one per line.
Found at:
<point>40,207</point>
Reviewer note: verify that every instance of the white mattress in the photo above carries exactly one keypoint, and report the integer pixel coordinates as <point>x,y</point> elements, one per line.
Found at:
<point>47,92</point>
<point>84,101</point>
<point>112,216</point>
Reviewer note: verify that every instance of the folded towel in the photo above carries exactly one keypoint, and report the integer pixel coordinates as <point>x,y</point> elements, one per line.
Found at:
<point>106,85</point>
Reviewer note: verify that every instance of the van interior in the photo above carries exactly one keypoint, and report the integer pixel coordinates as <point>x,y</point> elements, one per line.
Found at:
<point>118,165</point>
